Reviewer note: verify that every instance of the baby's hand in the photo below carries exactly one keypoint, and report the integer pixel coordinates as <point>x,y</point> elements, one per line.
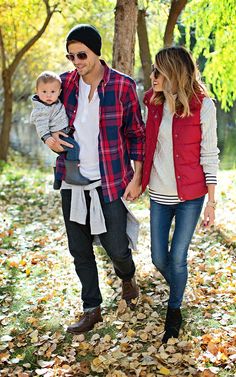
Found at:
<point>50,142</point>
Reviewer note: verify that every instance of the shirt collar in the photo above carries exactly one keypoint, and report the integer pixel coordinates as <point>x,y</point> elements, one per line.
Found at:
<point>107,72</point>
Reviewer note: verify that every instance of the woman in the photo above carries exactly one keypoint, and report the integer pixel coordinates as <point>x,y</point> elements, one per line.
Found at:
<point>180,168</point>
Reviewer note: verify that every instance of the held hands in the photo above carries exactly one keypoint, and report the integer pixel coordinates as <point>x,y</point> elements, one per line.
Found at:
<point>55,143</point>
<point>133,190</point>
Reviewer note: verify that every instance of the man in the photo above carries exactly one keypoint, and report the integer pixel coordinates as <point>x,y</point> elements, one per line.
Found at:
<point>104,112</point>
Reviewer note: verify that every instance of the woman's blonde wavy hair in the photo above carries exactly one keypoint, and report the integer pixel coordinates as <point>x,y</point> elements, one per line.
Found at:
<point>181,73</point>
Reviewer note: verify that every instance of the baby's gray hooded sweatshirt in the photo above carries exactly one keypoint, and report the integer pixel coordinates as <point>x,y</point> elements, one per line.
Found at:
<point>48,118</point>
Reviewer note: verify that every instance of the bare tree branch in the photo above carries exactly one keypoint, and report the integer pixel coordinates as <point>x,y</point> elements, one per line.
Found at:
<point>31,42</point>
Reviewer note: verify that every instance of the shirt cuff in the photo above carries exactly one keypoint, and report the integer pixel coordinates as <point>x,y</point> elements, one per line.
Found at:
<point>211,179</point>
<point>46,136</point>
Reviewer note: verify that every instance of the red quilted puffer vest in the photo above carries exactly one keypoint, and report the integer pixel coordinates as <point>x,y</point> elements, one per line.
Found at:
<point>186,134</point>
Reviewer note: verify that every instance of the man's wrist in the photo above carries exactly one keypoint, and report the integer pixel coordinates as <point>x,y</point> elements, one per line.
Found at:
<point>137,177</point>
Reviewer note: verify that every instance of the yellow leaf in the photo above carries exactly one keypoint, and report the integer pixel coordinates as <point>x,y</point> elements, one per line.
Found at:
<point>97,365</point>
<point>109,281</point>
<point>27,271</point>
<point>131,333</point>
<point>164,371</point>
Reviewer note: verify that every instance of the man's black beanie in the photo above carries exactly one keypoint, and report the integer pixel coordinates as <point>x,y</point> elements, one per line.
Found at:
<point>86,34</point>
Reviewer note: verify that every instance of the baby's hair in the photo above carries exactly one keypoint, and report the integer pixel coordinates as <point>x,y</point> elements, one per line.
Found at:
<point>47,76</point>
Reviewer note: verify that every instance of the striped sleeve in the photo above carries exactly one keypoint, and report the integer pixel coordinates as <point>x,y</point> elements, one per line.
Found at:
<point>210,179</point>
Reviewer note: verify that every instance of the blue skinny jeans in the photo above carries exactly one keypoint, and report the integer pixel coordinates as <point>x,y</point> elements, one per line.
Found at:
<point>170,256</point>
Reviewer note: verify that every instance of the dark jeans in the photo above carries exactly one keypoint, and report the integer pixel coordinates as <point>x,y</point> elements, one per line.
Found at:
<point>114,241</point>
<point>172,262</point>
<point>72,154</point>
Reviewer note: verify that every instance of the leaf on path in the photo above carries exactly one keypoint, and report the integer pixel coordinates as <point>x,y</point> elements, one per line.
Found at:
<point>6,338</point>
<point>4,356</point>
<point>122,306</point>
<point>131,333</point>
<point>45,364</point>
<point>164,371</point>
<point>208,373</point>
<point>212,348</point>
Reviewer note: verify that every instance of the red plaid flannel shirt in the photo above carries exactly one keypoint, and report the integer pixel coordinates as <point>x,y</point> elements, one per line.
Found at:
<point>121,135</point>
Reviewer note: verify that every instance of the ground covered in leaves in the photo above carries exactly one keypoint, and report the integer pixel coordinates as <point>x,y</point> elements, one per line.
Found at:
<point>40,293</point>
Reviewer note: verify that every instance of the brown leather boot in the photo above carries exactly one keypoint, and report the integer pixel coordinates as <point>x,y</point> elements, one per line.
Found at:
<point>86,322</point>
<point>130,291</point>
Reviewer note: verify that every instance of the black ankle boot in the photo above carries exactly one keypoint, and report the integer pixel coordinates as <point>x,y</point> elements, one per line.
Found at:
<point>172,324</point>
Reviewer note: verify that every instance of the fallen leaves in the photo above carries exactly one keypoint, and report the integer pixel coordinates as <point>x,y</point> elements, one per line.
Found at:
<point>40,297</point>
<point>164,371</point>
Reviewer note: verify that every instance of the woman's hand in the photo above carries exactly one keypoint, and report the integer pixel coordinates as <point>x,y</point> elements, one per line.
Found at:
<point>209,217</point>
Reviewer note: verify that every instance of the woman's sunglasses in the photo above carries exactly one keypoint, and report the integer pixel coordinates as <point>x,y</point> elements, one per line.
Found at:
<point>79,55</point>
<point>155,71</point>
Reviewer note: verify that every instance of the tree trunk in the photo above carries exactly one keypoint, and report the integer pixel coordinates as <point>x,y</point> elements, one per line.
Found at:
<point>176,8</point>
<point>144,49</point>
<point>7,74</point>
<point>7,115</point>
<point>126,13</point>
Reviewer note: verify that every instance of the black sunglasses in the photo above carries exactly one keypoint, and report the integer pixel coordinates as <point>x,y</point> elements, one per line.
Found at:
<point>155,71</point>
<point>79,55</point>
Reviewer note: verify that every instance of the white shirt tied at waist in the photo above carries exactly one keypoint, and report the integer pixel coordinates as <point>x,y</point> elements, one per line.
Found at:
<point>78,212</point>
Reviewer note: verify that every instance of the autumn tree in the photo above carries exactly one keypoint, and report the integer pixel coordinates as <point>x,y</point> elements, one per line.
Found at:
<point>18,33</point>
<point>126,13</point>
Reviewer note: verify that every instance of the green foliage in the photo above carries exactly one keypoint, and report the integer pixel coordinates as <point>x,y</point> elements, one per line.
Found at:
<point>214,24</point>
<point>20,21</point>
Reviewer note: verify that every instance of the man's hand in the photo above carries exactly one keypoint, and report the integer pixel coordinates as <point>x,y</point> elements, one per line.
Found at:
<point>133,190</point>
<point>56,145</point>
<point>50,142</point>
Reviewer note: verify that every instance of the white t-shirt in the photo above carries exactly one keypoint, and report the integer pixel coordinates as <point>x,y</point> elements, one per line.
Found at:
<point>86,125</point>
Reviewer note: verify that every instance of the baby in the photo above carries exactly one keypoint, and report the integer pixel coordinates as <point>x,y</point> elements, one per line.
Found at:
<point>49,115</point>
